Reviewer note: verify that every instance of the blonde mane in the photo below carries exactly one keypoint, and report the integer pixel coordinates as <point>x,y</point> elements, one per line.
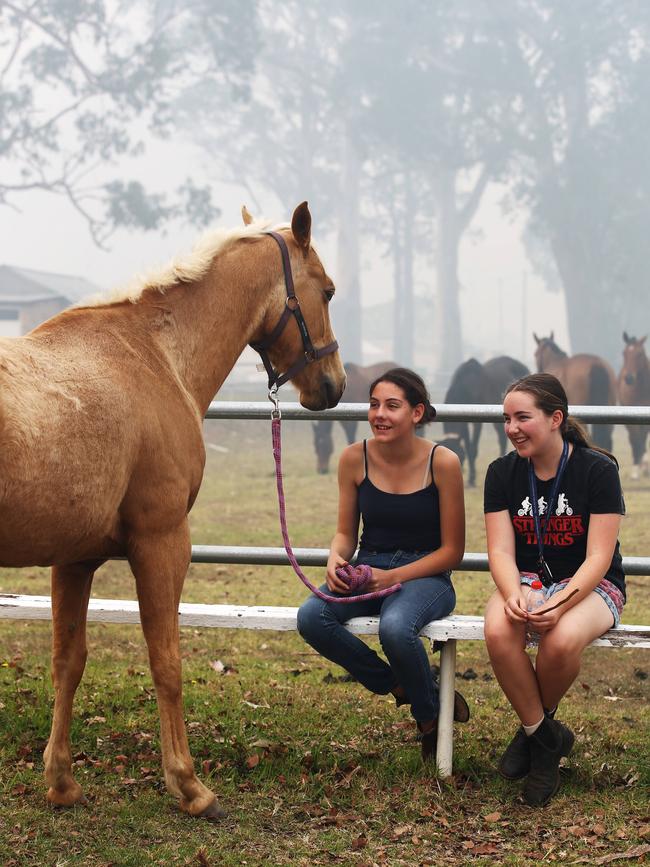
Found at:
<point>182,269</point>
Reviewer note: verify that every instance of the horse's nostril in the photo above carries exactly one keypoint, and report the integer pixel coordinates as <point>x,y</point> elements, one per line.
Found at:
<point>331,395</point>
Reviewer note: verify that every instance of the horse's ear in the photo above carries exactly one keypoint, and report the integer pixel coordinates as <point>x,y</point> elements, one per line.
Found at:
<point>537,340</point>
<point>247,217</point>
<point>551,336</point>
<point>626,339</point>
<point>301,226</point>
<point>643,339</point>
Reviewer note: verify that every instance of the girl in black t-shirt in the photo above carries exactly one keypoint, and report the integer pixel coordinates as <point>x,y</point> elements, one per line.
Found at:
<point>555,484</point>
<point>408,493</point>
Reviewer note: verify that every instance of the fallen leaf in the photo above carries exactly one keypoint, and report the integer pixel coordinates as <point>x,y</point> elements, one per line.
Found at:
<point>19,789</point>
<point>360,843</point>
<point>252,761</point>
<point>492,817</point>
<point>485,849</point>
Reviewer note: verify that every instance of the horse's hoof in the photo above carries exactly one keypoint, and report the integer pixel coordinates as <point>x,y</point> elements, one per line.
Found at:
<point>62,801</point>
<point>213,812</point>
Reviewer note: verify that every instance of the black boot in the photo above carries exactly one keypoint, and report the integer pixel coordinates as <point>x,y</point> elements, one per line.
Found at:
<point>548,744</point>
<point>428,741</point>
<point>515,762</point>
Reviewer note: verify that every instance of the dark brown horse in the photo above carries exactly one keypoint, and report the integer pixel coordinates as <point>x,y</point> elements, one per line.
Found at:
<point>634,390</point>
<point>587,379</point>
<point>356,391</point>
<point>474,382</point>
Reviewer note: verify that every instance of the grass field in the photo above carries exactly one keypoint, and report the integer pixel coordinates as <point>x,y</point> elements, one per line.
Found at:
<point>313,770</point>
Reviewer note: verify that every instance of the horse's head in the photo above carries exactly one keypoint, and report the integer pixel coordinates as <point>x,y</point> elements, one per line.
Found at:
<point>323,444</point>
<point>547,352</point>
<point>634,359</point>
<point>297,349</point>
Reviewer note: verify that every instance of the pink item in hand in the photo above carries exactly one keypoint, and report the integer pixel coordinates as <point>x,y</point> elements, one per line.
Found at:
<point>356,577</point>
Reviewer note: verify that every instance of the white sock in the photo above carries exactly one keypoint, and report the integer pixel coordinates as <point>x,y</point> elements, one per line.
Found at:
<point>530,730</point>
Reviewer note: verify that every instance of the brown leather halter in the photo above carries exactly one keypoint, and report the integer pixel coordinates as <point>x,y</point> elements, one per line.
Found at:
<point>292,308</point>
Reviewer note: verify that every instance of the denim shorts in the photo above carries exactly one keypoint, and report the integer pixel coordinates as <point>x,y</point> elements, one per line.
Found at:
<point>608,592</point>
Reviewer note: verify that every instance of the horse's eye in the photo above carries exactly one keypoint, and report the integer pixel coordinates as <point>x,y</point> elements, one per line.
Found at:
<point>329,294</point>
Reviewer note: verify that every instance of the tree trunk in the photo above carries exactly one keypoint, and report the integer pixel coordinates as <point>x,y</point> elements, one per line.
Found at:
<point>348,318</point>
<point>447,331</point>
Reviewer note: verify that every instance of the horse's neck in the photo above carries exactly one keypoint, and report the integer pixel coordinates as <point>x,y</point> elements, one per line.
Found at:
<point>216,317</point>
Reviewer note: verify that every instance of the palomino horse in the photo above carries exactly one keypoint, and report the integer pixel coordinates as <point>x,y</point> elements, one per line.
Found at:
<point>101,451</point>
<point>587,379</point>
<point>474,382</point>
<point>634,390</point>
<point>356,391</point>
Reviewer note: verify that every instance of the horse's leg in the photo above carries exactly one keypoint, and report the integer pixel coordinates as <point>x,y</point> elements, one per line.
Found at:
<point>473,452</point>
<point>350,428</point>
<point>501,434</point>
<point>637,436</point>
<point>159,564</point>
<point>70,593</point>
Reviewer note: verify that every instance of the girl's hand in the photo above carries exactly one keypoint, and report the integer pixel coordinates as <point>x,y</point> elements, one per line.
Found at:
<point>334,583</point>
<point>540,622</point>
<point>380,580</point>
<point>515,608</point>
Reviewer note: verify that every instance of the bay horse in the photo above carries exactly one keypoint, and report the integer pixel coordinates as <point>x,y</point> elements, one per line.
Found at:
<point>587,379</point>
<point>356,391</point>
<point>102,454</point>
<point>474,382</point>
<point>634,390</point>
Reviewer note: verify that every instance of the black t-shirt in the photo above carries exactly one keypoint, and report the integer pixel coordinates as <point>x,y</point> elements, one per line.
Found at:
<point>590,485</point>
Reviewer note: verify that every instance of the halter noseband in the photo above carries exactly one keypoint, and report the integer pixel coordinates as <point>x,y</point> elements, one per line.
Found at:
<point>292,308</point>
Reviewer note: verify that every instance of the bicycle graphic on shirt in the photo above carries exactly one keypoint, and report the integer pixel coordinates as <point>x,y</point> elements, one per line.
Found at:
<point>563,507</point>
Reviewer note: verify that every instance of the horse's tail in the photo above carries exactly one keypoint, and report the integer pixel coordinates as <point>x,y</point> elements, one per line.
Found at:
<point>600,393</point>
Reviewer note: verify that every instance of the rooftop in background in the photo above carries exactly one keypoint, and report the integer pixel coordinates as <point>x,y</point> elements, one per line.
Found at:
<point>26,286</point>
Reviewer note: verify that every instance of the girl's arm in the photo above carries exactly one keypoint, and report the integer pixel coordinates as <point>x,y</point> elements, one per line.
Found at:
<point>448,477</point>
<point>344,543</point>
<point>601,542</point>
<point>503,566</point>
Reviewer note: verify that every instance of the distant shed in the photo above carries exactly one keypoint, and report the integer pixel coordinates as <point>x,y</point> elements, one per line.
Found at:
<point>29,297</point>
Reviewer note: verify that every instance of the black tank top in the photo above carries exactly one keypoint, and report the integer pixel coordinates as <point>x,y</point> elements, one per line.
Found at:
<point>392,522</point>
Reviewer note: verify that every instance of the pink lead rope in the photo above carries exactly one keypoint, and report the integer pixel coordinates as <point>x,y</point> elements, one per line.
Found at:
<point>355,576</point>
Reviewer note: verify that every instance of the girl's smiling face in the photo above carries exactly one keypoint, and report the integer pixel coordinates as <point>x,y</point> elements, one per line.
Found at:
<point>390,414</point>
<point>529,429</point>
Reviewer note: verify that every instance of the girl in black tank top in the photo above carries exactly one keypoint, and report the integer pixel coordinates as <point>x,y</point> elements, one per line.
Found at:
<point>409,495</point>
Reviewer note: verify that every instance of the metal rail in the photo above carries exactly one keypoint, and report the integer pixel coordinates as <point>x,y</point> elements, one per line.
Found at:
<point>254,556</point>
<point>444,412</point>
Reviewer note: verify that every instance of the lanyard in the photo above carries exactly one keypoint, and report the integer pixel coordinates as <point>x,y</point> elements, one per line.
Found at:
<point>544,571</point>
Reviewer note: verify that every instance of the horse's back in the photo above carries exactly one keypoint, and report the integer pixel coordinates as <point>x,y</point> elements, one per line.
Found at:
<point>500,372</point>
<point>359,379</point>
<point>589,380</point>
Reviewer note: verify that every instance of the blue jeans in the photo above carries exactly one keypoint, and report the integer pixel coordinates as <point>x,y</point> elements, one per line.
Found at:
<point>402,616</point>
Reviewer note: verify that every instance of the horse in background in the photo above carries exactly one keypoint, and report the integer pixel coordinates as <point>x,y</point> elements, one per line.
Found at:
<point>634,390</point>
<point>474,382</point>
<point>356,391</point>
<point>113,466</point>
<point>587,379</point>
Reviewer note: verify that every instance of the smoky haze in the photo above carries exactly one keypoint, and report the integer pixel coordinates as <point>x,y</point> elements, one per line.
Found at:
<point>476,172</point>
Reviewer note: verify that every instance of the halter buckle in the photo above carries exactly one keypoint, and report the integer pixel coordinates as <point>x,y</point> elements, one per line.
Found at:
<point>273,397</point>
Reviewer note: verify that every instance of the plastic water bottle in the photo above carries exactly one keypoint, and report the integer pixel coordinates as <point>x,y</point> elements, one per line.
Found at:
<point>535,598</point>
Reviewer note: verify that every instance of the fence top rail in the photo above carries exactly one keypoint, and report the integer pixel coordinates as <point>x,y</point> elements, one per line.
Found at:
<point>257,556</point>
<point>229,409</point>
